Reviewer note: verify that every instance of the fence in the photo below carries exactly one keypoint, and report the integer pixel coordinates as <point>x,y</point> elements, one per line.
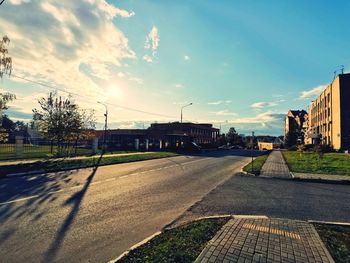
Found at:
<point>23,148</point>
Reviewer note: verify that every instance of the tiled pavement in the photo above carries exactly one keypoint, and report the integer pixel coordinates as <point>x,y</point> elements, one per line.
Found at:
<point>265,240</point>
<point>275,166</point>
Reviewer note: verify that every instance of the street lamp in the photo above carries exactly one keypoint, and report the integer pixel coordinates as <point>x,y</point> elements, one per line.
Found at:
<point>220,125</point>
<point>184,107</point>
<point>105,133</point>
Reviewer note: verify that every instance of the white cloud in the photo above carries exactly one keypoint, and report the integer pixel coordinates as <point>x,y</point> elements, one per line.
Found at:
<point>307,94</point>
<point>179,86</point>
<point>261,118</point>
<point>225,113</point>
<point>66,42</point>
<point>18,2</point>
<point>186,57</point>
<point>152,44</point>
<point>219,102</point>
<point>262,104</point>
<point>121,75</point>
<point>137,80</point>
<point>147,58</point>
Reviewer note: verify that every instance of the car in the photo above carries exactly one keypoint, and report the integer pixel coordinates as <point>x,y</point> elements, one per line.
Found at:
<point>223,147</point>
<point>192,147</point>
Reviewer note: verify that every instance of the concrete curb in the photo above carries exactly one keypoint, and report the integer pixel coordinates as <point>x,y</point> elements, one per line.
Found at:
<point>323,245</point>
<point>166,228</point>
<point>147,239</point>
<point>322,181</point>
<point>125,253</point>
<point>329,223</point>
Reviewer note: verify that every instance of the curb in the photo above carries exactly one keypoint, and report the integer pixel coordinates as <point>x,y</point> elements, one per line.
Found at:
<point>329,223</point>
<point>125,253</point>
<point>147,239</point>
<point>322,181</point>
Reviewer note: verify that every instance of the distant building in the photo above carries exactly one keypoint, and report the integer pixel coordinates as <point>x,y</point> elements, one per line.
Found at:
<point>296,125</point>
<point>171,135</point>
<point>270,144</point>
<point>329,121</point>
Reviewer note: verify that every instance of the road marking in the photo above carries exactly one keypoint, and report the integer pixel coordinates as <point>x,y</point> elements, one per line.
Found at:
<point>110,179</point>
<point>19,200</point>
<point>98,182</point>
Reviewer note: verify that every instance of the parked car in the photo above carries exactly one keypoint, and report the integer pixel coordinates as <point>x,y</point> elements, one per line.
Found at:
<point>192,147</point>
<point>223,147</point>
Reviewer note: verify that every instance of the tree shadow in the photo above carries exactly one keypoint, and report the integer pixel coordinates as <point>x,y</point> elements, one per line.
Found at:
<point>75,201</point>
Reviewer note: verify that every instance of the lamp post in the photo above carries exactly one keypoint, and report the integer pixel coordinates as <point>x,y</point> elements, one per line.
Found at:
<point>105,132</point>
<point>252,152</point>
<point>220,126</point>
<point>184,107</point>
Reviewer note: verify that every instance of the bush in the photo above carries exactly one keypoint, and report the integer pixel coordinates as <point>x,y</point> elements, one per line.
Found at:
<point>293,148</point>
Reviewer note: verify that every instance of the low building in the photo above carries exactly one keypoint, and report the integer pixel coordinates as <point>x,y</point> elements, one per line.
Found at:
<point>161,136</point>
<point>296,126</point>
<point>329,121</point>
<point>265,146</point>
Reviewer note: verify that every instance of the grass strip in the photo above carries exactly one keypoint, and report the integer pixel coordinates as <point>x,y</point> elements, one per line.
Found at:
<point>337,240</point>
<point>66,164</point>
<point>310,162</point>
<point>181,244</point>
<point>258,164</point>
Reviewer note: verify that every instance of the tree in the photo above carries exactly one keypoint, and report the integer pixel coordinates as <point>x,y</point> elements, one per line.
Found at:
<point>5,60</point>
<point>232,135</point>
<point>60,119</point>
<point>291,139</point>
<point>5,68</point>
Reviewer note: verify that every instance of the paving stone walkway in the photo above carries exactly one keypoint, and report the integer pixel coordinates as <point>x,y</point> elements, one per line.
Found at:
<point>265,240</point>
<point>275,166</point>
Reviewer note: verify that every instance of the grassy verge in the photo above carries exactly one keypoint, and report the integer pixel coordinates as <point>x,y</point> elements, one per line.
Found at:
<point>57,165</point>
<point>310,162</point>
<point>337,241</point>
<point>182,244</point>
<point>258,164</point>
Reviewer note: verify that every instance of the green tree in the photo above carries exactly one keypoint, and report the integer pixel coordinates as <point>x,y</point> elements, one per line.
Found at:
<point>5,68</point>
<point>61,120</point>
<point>232,135</point>
<point>291,139</point>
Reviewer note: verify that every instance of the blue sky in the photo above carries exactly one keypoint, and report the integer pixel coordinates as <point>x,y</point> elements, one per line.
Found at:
<point>247,62</point>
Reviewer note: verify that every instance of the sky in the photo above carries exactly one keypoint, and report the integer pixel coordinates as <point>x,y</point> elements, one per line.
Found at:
<point>242,64</point>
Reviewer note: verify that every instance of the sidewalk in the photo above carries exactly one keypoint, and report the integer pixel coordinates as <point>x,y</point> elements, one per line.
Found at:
<point>14,162</point>
<point>275,166</point>
<point>254,239</point>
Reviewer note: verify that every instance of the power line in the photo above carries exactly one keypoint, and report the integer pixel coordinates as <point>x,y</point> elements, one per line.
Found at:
<point>89,100</point>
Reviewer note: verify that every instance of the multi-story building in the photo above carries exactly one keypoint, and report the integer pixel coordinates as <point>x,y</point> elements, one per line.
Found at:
<point>296,122</point>
<point>329,115</point>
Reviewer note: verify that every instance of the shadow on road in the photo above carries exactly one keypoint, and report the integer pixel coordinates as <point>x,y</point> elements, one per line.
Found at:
<point>74,201</point>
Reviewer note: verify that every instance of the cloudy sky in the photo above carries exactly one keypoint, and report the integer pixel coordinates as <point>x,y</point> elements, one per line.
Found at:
<point>244,62</point>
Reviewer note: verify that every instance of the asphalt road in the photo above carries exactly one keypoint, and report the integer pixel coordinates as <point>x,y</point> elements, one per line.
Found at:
<point>93,215</point>
<point>278,198</point>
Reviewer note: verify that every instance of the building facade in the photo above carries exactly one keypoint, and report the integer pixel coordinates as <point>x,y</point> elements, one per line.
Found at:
<point>296,126</point>
<point>173,135</point>
<point>329,120</point>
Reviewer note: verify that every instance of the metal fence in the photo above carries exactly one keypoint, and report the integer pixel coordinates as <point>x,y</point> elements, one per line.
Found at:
<point>22,148</point>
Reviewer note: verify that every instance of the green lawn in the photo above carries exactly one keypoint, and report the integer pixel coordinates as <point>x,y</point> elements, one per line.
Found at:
<point>257,165</point>
<point>337,241</point>
<point>182,244</point>
<point>8,151</point>
<point>65,164</point>
<point>310,162</point>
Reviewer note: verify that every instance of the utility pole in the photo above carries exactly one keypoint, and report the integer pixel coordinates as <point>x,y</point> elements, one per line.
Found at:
<point>105,132</point>
<point>184,107</point>
<point>252,152</point>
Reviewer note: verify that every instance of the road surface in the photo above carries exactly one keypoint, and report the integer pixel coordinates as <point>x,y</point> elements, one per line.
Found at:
<point>93,215</point>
